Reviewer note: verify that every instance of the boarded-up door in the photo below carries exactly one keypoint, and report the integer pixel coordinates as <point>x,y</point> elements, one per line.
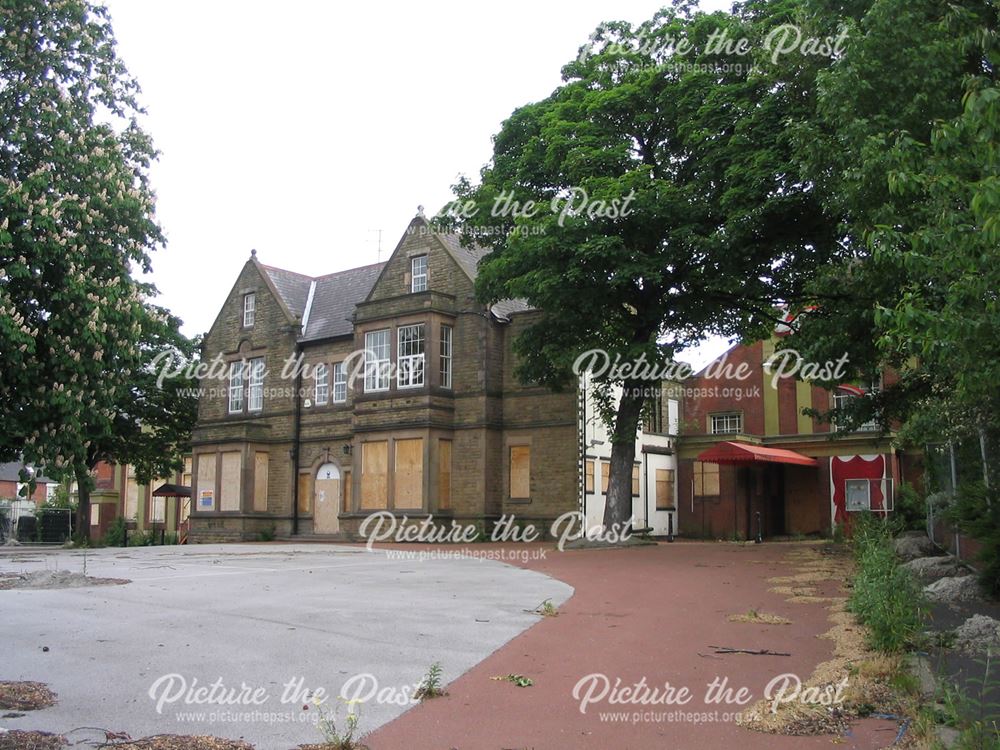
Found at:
<point>327,500</point>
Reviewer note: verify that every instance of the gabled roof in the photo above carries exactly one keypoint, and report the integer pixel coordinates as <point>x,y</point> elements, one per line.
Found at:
<point>292,288</point>
<point>325,304</point>
<point>334,299</point>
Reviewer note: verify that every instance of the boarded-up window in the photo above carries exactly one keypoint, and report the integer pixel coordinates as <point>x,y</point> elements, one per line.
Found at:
<point>186,476</point>
<point>231,486</point>
<point>409,474</point>
<point>444,474</point>
<point>605,475</point>
<point>588,476</point>
<point>664,489</point>
<point>95,514</point>
<point>131,495</point>
<point>346,491</point>
<point>706,479</point>
<point>159,509</point>
<point>374,474</point>
<point>305,494</point>
<point>206,482</point>
<point>260,462</point>
<point>635,480</point>
<point>520,472</point>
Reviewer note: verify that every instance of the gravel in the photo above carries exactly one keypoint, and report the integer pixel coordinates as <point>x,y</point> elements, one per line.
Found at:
<point>930,569</point>
<point>912,547</point>
<point>978,634</point>
<point>54,579</point>
<point>955,589</point>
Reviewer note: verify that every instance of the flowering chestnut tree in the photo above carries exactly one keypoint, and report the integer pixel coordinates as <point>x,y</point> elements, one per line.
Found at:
<point>77,220</point>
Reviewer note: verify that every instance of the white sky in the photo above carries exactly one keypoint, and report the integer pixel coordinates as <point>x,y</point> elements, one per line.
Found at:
<point>302,128</point>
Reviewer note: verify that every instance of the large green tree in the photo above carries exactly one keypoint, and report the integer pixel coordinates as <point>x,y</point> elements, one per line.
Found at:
<point>76,223</point>
<point>693,221</point>
<point>902,147</point>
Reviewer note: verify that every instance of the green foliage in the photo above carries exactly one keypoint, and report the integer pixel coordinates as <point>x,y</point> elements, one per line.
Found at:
<point>115,535</point>
<point>903,152</point>
<point>976,511</point>
<point>885,596</point>
<point>973,710</point>
<point>431,685</point>
<point>686,163</point>
<point>77,218</point>
<point>267,534</point>
<point>911,510</point>
<point>347,738</point>
<point>519,680</point>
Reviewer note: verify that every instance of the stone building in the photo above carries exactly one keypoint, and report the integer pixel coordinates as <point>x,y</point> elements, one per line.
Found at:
<point>385,387</point>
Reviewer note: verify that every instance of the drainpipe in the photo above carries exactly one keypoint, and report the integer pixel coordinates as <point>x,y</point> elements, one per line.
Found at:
<point>645,487</point>
<point>296,434</point>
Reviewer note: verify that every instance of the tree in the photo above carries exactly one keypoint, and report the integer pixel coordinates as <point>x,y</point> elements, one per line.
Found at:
<point>665,161</point>
<point>152,417</point>
<point>910,177</point>
<point>76,219</point>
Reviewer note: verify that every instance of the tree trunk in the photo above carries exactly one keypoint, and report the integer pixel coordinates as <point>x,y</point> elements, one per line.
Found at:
<point>82,503</point>
<point>618,501</point>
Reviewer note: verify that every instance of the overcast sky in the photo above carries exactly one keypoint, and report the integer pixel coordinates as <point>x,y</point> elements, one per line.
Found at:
<point>307,130</point>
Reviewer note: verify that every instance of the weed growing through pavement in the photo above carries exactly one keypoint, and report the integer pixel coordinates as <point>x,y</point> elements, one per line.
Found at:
<point>430,686</point>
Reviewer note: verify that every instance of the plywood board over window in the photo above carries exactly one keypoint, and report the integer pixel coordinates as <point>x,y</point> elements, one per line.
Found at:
<point>206,482</point>
<point>588,476</point>
<point>232,484</point>
<point>635,480</point>
<point>260,467</point>
<point>520,472</point>
<point>444,474</point>
<point>706,479</point>
<point>305,493</point>
<point>664,489</point>
<point>409,474</point>
<point>374,475</point>
<point>346,491</point>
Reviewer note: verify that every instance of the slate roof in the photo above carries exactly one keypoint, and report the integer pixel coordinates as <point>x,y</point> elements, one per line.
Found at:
<point>10,472</point>
<point>334,299</point>
<point>334,296</point>
<point>293,288</point>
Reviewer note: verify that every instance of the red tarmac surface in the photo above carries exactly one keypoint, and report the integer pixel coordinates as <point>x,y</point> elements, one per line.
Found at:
<point>647,612</point>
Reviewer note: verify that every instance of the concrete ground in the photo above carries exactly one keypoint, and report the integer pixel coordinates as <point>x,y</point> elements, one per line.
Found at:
<point>279,620</point>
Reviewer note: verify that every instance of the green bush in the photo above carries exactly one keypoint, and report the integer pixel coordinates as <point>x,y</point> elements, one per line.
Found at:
<point>976,512</point>
<point>886,597</point>
<point>115,536</point>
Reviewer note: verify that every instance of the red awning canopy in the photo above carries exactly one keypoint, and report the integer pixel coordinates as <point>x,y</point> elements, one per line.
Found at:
<point>745,454</point>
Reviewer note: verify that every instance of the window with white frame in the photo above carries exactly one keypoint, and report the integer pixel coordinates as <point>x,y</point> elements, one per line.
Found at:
<point>410,356</point>
<point>377,361</point>
<point>249,309</point>
<point>339,383</point>
<point>418,274</point>
<point>446,356</point>
<point>255,398</point>
<point>322,385</point>
<point>727,424</point>
<point>858,495</point>
<point>842,400</point>
<point>236,372</point>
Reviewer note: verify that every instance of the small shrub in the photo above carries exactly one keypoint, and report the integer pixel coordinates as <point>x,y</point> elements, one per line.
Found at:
<point>976,511</point>
<point>115,536</point>
<point>430,686</point>
<point>347,738</point>
<point>885,597</point>
<point>267,534</point>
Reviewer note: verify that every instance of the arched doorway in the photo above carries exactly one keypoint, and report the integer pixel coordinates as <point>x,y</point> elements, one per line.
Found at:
<point>326,499</point>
